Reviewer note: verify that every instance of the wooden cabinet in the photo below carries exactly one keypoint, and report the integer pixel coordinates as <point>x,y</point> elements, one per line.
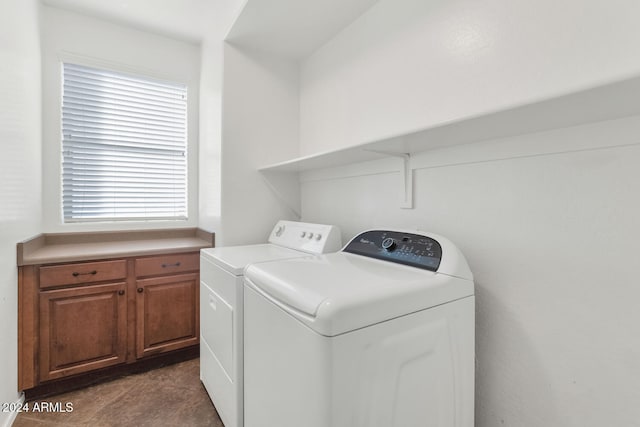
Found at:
<point>82,329</point>
<point>167,307</point>
<point>82,273</point>
<point>166,313</point>
<point>167,264</point>
<point>78,317</point>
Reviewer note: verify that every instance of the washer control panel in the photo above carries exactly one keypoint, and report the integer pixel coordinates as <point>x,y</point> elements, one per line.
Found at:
<point>403,248</point>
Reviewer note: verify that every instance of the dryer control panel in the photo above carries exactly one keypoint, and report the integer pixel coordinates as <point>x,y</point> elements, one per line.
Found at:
<point>403,248</point>
<point>306,237</point>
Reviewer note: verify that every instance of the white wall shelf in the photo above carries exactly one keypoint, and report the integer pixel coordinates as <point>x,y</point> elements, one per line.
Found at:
<point>605,102</point>
<point>262,26</point>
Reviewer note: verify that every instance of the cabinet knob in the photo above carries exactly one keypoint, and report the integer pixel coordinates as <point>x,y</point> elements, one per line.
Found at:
<point>140,290</point>
<point>121,292</point>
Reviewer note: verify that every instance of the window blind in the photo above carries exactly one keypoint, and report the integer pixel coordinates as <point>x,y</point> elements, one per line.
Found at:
<point>124,145</point>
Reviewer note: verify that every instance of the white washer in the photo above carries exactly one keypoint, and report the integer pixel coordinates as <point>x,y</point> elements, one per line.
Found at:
<point>221,296</point>
<point>380,334</point>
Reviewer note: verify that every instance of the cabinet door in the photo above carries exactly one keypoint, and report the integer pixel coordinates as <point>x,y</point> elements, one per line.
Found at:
<point>167,314</point>
<point>82,329</point>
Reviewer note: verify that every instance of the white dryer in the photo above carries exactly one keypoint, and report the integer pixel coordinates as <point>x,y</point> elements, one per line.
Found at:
<point>380,334</point>
<point>221,308</point>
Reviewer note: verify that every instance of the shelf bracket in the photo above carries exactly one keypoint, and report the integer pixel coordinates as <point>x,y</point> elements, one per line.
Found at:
<point>407,176</point>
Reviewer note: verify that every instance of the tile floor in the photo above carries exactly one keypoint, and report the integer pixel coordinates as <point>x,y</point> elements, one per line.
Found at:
<point>169,396</point>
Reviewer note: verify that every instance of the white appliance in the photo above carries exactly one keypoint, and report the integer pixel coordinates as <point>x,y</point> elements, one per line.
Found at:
<point>221,297</point>
<point>379,334</point>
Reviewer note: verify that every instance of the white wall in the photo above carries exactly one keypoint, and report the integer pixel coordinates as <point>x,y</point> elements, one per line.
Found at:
<point>90,41</point>
<point>549,225</point>
<point>409,64</point>
<point>20,162</point>
<point>548,221</point>
<point>210,141</point>
<point>259,127</point>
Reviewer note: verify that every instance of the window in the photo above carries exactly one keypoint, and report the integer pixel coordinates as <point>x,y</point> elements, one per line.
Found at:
<point>124,146</point>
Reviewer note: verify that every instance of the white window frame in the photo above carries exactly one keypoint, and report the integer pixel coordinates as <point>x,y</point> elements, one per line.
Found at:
<point>108,146</point>
<point>52,129</point>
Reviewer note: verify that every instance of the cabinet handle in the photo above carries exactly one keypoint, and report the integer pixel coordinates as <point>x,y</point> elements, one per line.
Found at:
<point>140,290</point>
<point>91,273</point>
<point>121,292</point>
<point>177,264</point>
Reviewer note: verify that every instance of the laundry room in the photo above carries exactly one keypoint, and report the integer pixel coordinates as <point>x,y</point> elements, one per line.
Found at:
<point>302,213</point>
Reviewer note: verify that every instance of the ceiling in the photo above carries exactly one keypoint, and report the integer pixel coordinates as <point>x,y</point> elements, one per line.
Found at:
<point>306,25</point>
<point>190,20</point>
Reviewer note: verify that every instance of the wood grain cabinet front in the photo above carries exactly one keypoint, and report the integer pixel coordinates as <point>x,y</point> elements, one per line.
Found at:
<point>167,313</point>
<point>82,273</point>
<point>78,317</point>
<point>82,329</point>
<point>167,264</point>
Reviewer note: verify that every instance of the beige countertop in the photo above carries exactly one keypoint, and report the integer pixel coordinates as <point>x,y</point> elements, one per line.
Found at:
<point>70,247</point>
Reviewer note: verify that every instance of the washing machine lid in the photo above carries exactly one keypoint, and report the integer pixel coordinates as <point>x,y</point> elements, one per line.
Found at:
<point>337,293</point>
<point>234,259</point>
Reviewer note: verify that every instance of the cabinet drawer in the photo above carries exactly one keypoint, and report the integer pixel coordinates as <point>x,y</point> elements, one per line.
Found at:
<point>167,264</point>
<point>87,272</point>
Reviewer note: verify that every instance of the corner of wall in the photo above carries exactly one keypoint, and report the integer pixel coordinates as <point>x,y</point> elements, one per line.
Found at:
<point>21,214</point>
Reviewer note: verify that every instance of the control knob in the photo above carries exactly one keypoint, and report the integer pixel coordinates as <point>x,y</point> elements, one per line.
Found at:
<point>388,244</point>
